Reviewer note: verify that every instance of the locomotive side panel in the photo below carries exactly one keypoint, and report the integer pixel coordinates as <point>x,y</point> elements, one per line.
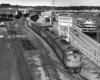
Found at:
<point>51,42</point>
<point>29,23</point>
<point>33,27</point>
<point>63,47</point>
<point>59,53</point>
<point>38,30</point>
<point>43,34</point>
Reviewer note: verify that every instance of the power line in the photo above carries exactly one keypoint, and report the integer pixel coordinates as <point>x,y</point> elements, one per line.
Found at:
<point>94,2</point>
<point>88,2</point>
<point>83,2</point>
<point>53,4</point>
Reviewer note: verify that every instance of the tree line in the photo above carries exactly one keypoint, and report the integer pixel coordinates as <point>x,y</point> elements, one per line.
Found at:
<point>66,8</point>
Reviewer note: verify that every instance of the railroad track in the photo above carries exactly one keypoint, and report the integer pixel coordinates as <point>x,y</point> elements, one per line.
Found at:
<point>49,69</point>
<point>74,76</point>
<point>59,66</point>
<point>46,64</point>
<point>23,68</point>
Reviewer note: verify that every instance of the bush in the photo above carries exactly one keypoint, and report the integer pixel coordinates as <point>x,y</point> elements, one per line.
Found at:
<point>17,17</point>
<point>34,17</point>
<point>10,15</point>
<point>26,15</point>
<point>3,15</point>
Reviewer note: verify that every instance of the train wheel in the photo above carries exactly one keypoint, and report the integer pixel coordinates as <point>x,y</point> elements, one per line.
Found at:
<point>71,70</point>
<point>65,66</point>
<point>78,70</point>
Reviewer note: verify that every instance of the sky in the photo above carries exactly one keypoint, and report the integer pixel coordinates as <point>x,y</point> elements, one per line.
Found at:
<point>56,2</point>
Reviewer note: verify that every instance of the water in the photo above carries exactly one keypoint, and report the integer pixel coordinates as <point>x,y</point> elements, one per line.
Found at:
<point>91,16</point>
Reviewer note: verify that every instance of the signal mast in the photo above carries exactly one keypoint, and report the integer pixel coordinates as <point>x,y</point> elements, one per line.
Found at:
<point>52,14</point>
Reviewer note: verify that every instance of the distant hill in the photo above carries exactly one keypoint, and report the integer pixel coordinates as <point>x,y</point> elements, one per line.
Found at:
<point>43,8</point>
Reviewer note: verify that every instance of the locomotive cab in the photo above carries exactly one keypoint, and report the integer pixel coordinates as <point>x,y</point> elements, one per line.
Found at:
<point>73,61</point>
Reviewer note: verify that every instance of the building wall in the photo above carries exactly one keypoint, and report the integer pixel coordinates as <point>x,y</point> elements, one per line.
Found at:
<point>8,10</point>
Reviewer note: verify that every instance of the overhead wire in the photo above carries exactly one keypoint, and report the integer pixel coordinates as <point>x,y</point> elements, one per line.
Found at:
<point>83,1</point>
<point>94,2</point>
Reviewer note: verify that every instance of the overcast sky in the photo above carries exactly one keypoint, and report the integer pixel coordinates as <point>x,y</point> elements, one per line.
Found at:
<point>49,2</point>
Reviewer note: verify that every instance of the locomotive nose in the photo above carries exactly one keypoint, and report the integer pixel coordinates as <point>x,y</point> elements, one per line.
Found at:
<point>73,59</point>
<point>69,52</point>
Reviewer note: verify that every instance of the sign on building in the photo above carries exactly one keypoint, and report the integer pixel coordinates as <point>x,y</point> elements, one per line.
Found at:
<point>64,23</point>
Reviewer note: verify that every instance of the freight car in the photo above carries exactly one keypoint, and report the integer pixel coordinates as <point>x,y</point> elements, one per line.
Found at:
<point>68,55</point>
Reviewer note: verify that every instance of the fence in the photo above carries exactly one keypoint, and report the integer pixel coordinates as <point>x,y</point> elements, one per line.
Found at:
<point>90,55</point>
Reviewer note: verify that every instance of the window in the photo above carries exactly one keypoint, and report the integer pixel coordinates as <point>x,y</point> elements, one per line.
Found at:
<point>68,59</point>
<point>74,56</point>
<point>64,41</point>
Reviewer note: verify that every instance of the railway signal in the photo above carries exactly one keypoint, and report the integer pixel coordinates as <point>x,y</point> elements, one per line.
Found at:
<point>64,24</point>
<point>98,35</point>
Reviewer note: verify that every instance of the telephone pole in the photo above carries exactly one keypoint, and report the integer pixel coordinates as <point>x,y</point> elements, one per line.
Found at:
<point>53,3</point>
<point>52,13</point>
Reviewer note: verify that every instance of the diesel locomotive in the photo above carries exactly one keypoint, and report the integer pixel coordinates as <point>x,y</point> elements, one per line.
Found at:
<point>69,56</point>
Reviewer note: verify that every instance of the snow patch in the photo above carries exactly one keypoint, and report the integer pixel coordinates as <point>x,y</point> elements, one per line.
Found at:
<point>40,69</point>
<point>90,76</point>
<point>43,77</point>
<point>62,76</point>
<point>37,60</point>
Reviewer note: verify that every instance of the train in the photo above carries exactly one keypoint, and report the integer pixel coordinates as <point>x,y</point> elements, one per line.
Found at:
<point>69,56</point>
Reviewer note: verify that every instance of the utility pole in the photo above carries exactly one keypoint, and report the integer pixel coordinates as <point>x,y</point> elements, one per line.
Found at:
<point>52,13</point>
<point>53,8</point>
<point>53,3</point>
<point>68,32</point>
<point>17,9</point>
<point>98,35</point>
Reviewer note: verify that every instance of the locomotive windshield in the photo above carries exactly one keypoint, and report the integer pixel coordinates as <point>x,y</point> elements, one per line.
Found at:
<point>69,52</point>
<point>75,51</point>
<point>72,51</point>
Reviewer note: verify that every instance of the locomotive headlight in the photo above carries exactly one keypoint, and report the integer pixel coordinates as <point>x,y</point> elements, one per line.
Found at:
<point>69,52</point>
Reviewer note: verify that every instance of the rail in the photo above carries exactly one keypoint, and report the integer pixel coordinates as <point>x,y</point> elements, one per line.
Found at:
<point>45,64</point>
<point>23,67</point>
<point>92,57</point>
<point>92,54</point>
<point>87,36</point>
<point>88,53</point>
<point>59,65</point>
